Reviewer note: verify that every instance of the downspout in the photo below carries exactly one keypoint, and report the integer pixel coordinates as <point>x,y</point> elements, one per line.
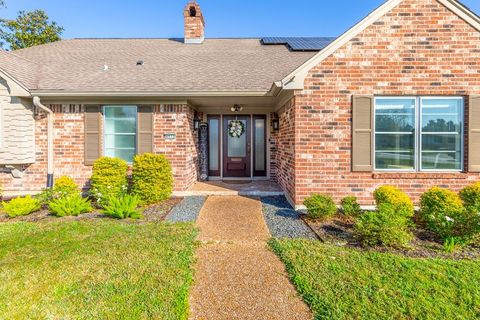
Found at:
<point>38,104</point>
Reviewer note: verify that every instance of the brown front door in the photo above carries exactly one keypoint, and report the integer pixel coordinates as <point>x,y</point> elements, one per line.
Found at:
<point>236,151</point>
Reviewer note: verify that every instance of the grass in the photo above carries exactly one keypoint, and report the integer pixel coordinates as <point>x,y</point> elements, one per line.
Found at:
<point>340,283</point>
<point>95,270</point>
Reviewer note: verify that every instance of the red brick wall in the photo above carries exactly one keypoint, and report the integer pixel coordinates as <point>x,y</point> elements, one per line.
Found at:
<point>419,48</point>
<point>272,147</point>
<point>69,147</point>
<point>183,151</point>
<point>286,145</point>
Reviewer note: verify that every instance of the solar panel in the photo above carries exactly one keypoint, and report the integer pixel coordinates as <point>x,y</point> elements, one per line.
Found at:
<point>300,43</point>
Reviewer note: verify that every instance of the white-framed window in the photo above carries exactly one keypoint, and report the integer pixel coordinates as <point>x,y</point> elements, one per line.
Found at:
<point>419,133</point>
<point>120,132</point>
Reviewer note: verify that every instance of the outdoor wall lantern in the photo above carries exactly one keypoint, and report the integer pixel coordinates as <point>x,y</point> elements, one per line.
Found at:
<point>276,124</point>
<point>236,108</point>
<point>196,122</point>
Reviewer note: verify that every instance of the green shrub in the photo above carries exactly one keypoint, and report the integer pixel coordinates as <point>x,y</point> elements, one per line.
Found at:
<point>152,179</point>
<point>444,214</point>
<point>470,196</point>
<point>350,207</point>
<point>397,198</point>
<point>109,178</point>
<point>388,226</point>
<point>64,186</point>
<point>70,205</point>
<point>21,206</point>
<point>45,196</point>
<point>320,206</point>
<point>123,207</point>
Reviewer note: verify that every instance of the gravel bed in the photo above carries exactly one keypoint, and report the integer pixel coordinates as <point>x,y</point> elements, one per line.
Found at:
<point>187,210</point>
<point>283,221</point>
<point>158,212</point>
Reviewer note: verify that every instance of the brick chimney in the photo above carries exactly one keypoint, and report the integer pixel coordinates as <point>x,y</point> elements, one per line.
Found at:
<point>194,23</point>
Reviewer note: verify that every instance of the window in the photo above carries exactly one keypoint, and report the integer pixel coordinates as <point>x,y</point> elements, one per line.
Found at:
<point>120,132</point>
<point>259,151</point>
<point>419,133</point>
<point>214,145</point>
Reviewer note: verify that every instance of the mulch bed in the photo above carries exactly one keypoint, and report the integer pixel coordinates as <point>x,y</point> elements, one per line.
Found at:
<point>339,231</point>
<point>152,213</point>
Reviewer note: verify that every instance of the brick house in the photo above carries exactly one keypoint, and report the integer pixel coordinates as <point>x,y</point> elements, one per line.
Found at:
<point>394,100</point>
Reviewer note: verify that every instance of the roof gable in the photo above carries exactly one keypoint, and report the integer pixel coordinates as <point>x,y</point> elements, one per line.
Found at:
<point>295,80</point>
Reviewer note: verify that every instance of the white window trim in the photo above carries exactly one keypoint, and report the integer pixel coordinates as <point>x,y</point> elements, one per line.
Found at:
<point>134,134</point>
<point>418,134</point>
<point>375,132</point>
<point>462,133</point>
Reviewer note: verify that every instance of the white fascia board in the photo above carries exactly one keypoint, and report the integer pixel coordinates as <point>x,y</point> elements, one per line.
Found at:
<point>61,93</point>
<point>463,12</point>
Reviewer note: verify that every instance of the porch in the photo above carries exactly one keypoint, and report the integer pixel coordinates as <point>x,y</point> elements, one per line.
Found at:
<point>249,154</point>
<point>253,188</point>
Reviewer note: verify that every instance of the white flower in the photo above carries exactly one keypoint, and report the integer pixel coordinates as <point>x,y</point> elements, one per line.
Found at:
<point>449,219</point>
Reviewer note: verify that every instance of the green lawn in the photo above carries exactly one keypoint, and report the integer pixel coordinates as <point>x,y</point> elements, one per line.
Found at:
<point>95,270</point>
<point>341,283</point>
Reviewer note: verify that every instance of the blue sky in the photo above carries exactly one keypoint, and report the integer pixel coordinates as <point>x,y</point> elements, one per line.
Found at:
<point>227,18</point>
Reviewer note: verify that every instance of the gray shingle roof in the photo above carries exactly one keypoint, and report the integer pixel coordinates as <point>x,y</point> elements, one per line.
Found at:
<point>169,65</point>
<point>22,70</point>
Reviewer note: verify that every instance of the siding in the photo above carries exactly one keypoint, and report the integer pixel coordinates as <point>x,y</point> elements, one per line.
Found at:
<point>17,124</point>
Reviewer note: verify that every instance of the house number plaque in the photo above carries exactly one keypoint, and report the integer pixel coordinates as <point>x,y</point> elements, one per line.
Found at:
<point>170,136</point>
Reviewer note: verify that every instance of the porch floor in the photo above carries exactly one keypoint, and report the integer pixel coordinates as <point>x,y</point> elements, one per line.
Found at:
<point>254,188</point>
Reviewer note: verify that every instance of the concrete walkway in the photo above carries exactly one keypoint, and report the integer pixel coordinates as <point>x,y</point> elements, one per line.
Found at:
<point>236,276</point>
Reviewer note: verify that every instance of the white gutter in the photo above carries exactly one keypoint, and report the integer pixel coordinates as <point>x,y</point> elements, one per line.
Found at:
<point>38,104</point>
<point>113,94</point>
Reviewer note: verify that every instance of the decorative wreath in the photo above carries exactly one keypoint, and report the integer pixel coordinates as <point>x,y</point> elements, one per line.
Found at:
<point>236,128</point>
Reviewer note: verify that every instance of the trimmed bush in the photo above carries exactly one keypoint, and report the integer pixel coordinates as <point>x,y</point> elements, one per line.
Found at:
<point>123,207</point>
<point>397,198</point>
<point>388,226</point>
<point>152,179</point>
<point>470,196</point>
<point>70,205</point>
<point>444,214</point>
<point>109,179</point>
<point>64,186</point>
<point>350,207</point>
<point>21,206</point>
<point>320,206</point>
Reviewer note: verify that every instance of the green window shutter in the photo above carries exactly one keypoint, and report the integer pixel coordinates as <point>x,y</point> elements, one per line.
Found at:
<point>362,122</point>
<point>92,139</point>
<point>145,129</point>
<point>474,134</point>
